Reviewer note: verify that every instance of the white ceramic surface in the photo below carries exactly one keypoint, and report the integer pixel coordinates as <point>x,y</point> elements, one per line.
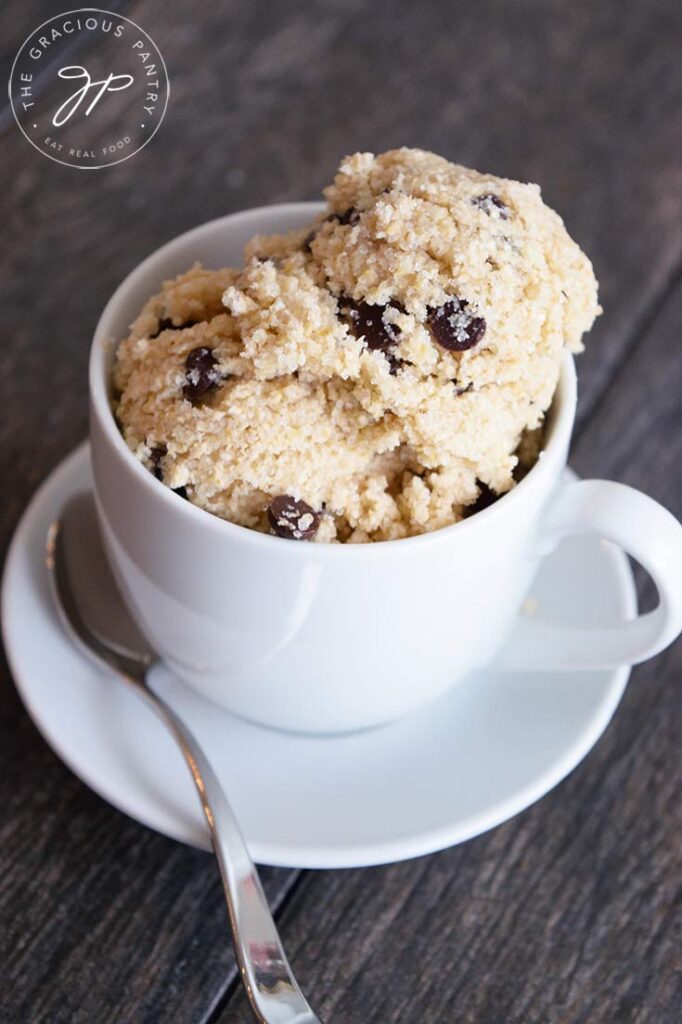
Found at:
<point>330,638</point>
<point>475,757</point>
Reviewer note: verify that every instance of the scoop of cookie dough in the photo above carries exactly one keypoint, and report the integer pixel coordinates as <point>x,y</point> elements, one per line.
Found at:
<point>373,376</point>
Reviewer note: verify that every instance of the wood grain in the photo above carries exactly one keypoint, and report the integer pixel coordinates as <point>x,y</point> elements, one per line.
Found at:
<point>102,920</point>
<point>571,912</point>
<point>568,913</point>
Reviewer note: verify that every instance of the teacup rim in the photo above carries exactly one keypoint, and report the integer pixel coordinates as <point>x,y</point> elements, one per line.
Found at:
<point>561,412</point>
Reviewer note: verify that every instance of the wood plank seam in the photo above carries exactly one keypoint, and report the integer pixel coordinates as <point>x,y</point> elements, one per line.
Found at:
<point>630,346</point>
<point>232,982</point>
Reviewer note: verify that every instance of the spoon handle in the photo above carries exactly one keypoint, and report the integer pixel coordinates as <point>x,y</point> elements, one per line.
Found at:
<point>273,993</point>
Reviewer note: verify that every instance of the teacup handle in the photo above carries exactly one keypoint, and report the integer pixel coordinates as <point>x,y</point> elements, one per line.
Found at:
<point>646,531</point>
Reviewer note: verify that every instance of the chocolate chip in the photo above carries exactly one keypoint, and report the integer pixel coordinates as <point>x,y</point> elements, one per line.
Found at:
<point>463,391</point>
<point>486,498</point>
<point>201,373</point>
<point>368,321</point>
<point>165,324</point>
<point>156,455</point>
<point>394,364</point>
<point>453,326</point>
<point>491,204</point>
<point>292,519</point>
<point>349,216</point>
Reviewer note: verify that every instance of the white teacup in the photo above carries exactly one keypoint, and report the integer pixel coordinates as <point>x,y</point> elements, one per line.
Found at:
<point>327,637</point>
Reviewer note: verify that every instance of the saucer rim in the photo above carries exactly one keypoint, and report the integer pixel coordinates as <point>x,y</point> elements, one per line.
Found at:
<point>307,856</point>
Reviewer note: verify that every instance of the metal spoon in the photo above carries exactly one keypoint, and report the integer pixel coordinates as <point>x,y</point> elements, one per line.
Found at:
<point>94,612</point>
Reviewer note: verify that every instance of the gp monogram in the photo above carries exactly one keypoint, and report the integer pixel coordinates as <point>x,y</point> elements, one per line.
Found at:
<point>112,83</point>
<point>97,109</point>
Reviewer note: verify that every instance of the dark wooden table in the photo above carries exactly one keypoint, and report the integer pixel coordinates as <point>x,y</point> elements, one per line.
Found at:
<point>570,912</point>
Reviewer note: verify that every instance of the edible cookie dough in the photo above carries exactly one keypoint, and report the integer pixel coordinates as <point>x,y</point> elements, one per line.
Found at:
<point>373,376</point>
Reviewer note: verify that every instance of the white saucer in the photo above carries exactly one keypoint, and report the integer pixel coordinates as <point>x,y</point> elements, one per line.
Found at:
<point>481,754</point>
